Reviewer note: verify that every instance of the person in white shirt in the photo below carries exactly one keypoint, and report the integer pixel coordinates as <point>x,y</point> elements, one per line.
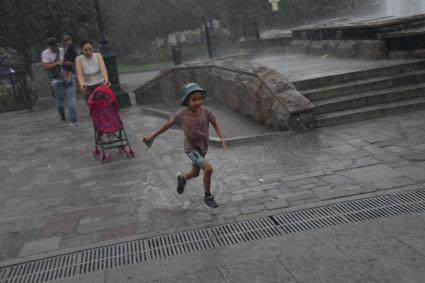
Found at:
<point>91,70</point>
<point>63,84</point>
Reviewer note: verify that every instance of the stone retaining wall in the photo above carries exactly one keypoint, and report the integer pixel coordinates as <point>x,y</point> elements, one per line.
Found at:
<point>253,90</point>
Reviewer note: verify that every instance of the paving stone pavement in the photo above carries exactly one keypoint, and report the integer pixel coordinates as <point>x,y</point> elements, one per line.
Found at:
<point>55,196</point>
<point>384,250</point>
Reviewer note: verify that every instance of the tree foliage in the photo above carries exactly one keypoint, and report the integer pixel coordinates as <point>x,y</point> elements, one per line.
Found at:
<point>25,24</point>
<point>134,24</point>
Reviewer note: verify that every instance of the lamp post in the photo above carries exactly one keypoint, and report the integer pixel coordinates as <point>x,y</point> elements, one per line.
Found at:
<point>275,9</point>
<point>110,61</point>
<point>208,41</point>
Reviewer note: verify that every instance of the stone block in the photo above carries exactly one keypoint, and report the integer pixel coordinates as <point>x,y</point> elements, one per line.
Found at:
<point>280,203</point>
<point>326,193</point>
<point>386,261</point>
<point>236,198</point>
<point>40,246</point>
<point>255,91</point>
<point>372,49</point>
<point>249,209</point>
<point>390,183</point>
<point>413,172</point>
<point>371,173</point>
<point>338,179</point>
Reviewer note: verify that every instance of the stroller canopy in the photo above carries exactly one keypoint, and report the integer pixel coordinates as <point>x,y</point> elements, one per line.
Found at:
<point>102,96</point>
<point>103,108</point>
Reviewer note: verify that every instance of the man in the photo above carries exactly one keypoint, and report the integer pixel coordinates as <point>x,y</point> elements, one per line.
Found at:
<point>62,82</point>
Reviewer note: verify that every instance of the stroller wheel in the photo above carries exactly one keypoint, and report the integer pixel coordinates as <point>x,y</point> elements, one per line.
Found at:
<point>105,157</point>
<point>95,153</point>
<point>131,153</point>
<point>122,150</point>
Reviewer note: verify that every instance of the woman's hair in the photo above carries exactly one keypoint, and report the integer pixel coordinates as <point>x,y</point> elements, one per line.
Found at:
<point>84,42</point>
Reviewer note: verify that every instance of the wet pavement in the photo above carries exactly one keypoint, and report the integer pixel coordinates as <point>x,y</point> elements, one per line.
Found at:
<point>56,197</point>
<point>374,251</point>
<point>297,67</point>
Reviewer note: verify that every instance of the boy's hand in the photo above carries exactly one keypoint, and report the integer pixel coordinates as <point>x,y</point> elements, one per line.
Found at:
<point>148,138</point>
<point>223,143</point>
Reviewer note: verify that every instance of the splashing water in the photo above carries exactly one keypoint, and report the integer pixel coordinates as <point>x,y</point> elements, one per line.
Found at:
<point>409,7</point>
<point>393,7</point>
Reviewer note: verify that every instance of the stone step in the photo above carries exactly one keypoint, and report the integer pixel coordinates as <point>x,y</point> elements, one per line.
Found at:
<point>326,81</point>
<point>371,84</point>
<point>362,99</point>
<point>369,112</point>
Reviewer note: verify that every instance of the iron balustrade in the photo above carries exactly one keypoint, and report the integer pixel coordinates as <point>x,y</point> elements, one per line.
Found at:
<point>15,88</point>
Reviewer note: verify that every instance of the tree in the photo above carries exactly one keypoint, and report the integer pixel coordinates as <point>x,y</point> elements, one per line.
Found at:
<point>136,23</point>
<point>25,24</point>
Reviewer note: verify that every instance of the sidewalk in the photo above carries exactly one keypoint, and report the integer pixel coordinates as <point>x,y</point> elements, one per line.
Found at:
<point>55,196</point>
<point>385,250</point>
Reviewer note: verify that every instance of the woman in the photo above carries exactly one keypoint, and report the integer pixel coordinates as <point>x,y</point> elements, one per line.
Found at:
<point>91,70</point>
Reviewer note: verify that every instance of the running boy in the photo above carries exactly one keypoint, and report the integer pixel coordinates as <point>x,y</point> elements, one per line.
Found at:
<point>194,120</point>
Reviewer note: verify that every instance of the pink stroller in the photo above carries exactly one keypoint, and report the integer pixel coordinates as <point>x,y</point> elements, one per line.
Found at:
<point>109,131</point>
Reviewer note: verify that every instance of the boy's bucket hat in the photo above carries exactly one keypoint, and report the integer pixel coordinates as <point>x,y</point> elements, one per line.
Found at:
<point>188,89</point>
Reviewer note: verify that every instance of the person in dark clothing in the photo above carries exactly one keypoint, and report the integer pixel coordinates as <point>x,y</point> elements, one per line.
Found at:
<point>70,55</point>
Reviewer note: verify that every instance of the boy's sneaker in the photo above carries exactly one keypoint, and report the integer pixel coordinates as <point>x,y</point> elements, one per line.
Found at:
<point>74,123</point>
<point>181,182</point>
<point>210,202</point>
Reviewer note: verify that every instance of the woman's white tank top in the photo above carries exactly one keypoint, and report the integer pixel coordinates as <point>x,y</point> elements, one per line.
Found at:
<point>91,69</point>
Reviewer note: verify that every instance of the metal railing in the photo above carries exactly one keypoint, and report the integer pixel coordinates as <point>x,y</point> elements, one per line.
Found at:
<point>15,88</point>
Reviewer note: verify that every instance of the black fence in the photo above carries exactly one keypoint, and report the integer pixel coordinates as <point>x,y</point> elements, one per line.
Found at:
<point>15,88</point>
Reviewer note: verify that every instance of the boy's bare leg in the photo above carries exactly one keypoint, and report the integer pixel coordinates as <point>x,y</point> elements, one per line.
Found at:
<point>208,170</point>
<point>182,178</point>
<point>192,173</point>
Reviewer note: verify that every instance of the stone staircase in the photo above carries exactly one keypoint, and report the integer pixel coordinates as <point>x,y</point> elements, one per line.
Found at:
<point>367,94</point>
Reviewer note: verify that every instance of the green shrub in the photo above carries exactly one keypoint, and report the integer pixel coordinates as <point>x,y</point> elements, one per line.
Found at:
<point>7,101</point>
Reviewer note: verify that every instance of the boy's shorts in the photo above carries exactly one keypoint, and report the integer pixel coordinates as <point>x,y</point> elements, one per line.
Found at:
<point>197,158</point>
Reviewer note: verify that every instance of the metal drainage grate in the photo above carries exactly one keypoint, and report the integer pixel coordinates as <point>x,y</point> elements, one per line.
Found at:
<point>231,234</point>
<point>145,250</point>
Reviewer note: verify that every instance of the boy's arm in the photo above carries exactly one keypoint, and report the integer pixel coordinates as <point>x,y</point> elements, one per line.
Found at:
<point>219,133</point>
<point>161,129</point>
